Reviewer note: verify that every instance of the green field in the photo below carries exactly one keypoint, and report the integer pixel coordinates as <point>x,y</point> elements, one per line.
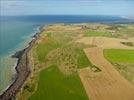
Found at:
<point>123,61</point>
<point>66,52</point>
<point>53,85</point>
<point>48,44</point>
<point>120,30</point>
<point>44,48</point>
<point>82,60</point>
<point>119,55</point>
<point>90,32</point>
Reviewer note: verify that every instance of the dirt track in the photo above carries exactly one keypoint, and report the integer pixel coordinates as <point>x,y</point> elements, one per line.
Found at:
<point>107,84</point>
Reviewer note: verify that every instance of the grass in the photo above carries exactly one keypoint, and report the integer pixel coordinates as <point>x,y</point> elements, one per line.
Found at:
<point>72,51</point>
<point>50,42</point>
<point>123,61</point>
<point>90,32</point>
<point>122,30</point>
<point>119,55</point>
<point>53,85</point>
<point>127,30</point>
<point>78,54</point>
<point>45,47</point>
<point>126,70</point>
<point>82,60</point>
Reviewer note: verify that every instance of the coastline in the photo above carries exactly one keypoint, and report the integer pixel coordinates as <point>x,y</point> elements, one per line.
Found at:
<point>13,60</point>
<point>22,69</point>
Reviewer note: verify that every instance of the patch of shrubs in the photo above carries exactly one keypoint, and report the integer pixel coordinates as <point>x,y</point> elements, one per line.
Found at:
<point>28,88</point>
<point>127,43</point>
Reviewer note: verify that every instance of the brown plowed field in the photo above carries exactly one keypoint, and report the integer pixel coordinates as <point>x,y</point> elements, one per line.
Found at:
<point>107,84</point>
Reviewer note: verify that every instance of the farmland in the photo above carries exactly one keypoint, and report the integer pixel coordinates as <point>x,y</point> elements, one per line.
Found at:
<point>97,33</point>
<point>103,85</point>
<point>119,55</point>
<point>123,61</point>
<point>53,84</point>
<point>76,62</point>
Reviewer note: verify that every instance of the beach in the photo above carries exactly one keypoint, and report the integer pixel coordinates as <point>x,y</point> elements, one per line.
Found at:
<point>22,70</point>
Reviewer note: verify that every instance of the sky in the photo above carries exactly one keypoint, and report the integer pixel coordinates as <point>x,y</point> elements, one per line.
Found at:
<point>67,7</point>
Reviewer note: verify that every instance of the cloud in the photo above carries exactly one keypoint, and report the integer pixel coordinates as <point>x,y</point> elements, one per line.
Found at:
<point>12,4</point>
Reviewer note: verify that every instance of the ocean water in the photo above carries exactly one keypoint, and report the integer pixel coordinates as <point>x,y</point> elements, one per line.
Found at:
<point>17,31</point>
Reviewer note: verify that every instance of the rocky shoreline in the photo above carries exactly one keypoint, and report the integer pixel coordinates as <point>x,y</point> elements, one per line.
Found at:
<point>22,69</point>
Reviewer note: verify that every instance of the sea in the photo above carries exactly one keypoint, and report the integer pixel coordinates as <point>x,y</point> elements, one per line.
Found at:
<point>17,31</point>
